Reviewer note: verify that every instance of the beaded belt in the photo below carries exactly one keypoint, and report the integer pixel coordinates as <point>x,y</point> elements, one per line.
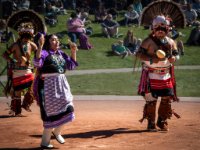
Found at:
<point>20,68</point>
<point>159,71</point>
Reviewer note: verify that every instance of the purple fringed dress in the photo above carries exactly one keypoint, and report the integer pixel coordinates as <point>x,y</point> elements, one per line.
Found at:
<point>51,88</point>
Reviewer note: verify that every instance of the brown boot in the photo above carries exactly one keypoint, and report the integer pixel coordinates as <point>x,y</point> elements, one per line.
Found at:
<point>27,101</point>
<point>12,107</point>
<point>18,108</point>
<point>151,126</point>
<point>162,124</point>
<point>26,107</point>
<point>150,115</point>
<point>15,107</point>
<point>164,113</point>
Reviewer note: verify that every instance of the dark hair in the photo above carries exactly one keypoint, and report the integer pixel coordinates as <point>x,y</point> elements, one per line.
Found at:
<point>37,37</point>
<point>73,15</point>
<point>47,42</point>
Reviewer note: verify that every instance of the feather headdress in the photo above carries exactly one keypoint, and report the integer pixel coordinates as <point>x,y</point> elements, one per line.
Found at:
<point>26,20</point>
<point>163,7</point>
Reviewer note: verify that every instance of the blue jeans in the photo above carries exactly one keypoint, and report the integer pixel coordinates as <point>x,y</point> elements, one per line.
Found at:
<point>74,36</point>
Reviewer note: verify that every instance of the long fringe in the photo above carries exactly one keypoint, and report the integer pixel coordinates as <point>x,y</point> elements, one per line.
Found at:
<point>175,98</point>
<point>144,80</point>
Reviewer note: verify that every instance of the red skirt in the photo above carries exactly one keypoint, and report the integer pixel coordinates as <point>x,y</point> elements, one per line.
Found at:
<point>22,82</point>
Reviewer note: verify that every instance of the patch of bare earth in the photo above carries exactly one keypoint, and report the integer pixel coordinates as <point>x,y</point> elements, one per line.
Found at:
<point>104,125</point>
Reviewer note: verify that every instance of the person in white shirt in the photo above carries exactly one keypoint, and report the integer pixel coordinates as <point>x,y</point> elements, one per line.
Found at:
<point>131,16</point>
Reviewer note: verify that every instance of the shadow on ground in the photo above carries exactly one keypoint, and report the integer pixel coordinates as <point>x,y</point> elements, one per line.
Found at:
<point>99,134</point>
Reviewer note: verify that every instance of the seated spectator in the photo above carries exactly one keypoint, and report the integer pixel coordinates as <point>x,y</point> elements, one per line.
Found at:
<point>100,14</point>
<point>49,9</point>
<point>110,27</point>
<point>84,16</point>
<point>76,30</point>
<point>50,15</point>
<point>182,4</point>
<point>191,16</point>
<point>196,7</point>
<point>131,42</point>
<point>5,36</point>
<point>113,12</point>
<point>130,17</point>
<point>194,38</point>
<point>75,27</point>
<point>23,4</point>
<point>58,7</point>
<point>120,50</point>
<point>137,6</point>
<point>174,34</point>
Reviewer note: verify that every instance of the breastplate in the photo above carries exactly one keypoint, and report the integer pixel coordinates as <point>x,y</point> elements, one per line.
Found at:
<point>54,63</point>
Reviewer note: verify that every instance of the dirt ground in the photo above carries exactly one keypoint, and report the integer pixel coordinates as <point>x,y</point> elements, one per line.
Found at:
<point>104,125</point>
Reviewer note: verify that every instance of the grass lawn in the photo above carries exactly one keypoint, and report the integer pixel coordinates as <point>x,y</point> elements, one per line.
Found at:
<point>188,83</point>
<point>118,83</point>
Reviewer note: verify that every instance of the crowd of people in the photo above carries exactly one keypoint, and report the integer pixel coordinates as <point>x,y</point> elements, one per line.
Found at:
<point>106,13</point>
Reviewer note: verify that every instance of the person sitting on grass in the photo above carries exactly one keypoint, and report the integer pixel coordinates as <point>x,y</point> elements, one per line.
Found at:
<point>120,50</point>
<point>5,34</point>
<point>76,30</point>
<point>194,37</point>
<point>131,42</point>
<point>110,27</point>
<point>84,16</point>
<point>75,27</point>
<point>131,17</point>
<point>100,13</point>
<point>191,16</point>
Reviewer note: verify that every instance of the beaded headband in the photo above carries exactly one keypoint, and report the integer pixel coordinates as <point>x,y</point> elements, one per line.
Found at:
<point>26,28</point>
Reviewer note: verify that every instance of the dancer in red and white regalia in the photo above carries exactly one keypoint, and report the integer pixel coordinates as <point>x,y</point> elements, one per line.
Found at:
<point>20,69</point>
<point>158,53</point>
